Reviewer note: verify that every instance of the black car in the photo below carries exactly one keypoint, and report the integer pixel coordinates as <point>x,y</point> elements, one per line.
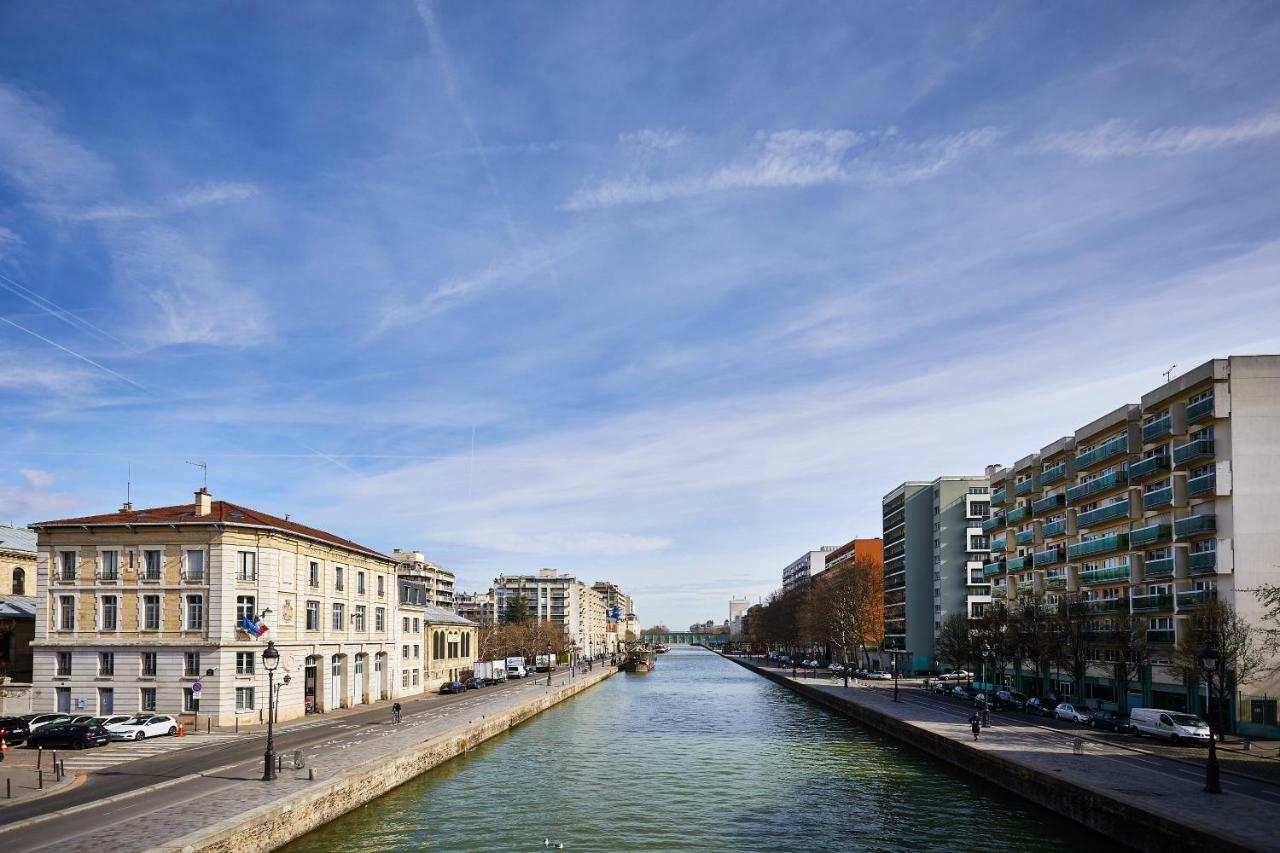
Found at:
<point>1009,699</point>
<point>13,730</point>
<point>74,735</point>
<point>474,683</point>
<point>1040,707</point>
<point>1112,721</point>
<point>453,687</point>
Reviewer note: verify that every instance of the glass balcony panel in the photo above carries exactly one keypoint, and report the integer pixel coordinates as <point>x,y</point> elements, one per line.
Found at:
<point>1160,637</point>
<point>991,569</point>
<point>1103,452</point>
<point>1152,602</point>
<point>1107,605</point>
<point>1056,582</point>
<point>998,497</point>
<point>1102,514</point>
<point>1150,535</point>
<point>1203,562</point>
<point>1049,557</point>
<point>993,524</point>
<point>1054,474</point>
<point>1202,485</point>
<point>997,545</point>
<point>1193,525</point>
<point>1112,574</point>
<point>1200,410</point>
<point>1097,485</point>
<point>1193,598</point>
<point>1147,467</point>
<point>1101,545</point>
<point>1162,568</point>
<point>1157,428</point>
<point>1049,502</point>
<point>1157,498</point>
<point>1026,537</point>
<point>1018,514</point>
<point>1026,487</point>
<point>1054,528</point>
<point>1019,563</point>
<point>1199,449</point>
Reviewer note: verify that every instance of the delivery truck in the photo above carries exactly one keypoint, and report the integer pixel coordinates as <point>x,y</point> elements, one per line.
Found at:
<point>515,667</point>
<point>544,663</point>
<point>499,670</point>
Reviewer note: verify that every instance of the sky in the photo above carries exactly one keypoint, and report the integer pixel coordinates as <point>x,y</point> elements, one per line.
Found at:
<point>663,293</point>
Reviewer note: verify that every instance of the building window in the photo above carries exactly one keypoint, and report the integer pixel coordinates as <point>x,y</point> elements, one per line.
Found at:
<point>244,698</point>
<point>337,578</point>
<point>415,678</point>
<point>64,663</point>
<point>360,583</point>
<point>406,624</point>
<point>359,617</point>
<point>313,575</point>
<point>68,566</point>
<point>313,616</point>
<point>466,645</point>
<point>110,613</point>
<point>20,582</point>
<point>437,650</point>
<point>245,608</point>
<point>110,566</point>
<point>189,700</point>
<point>382,586</point>
<point>404,651</point>
<point>148,664</point>
<point>416,625</point>
<point>191,664</point>
<point>147,698</point>
<point>195,565</point>
<point>106,663</point>
<point>195,612</point>
<point>247,567</point>
<point>404,678</point>
<point>244,663</point>
<point>380,619</point>
<point>339,617</point>
<point>151,564</point>
<point>67,612</point>
<point>151,613</point>
<point>417,651</point>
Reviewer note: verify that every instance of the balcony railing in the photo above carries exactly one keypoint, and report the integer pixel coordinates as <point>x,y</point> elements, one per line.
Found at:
<point>1110,512</point>
<point>1025,487</point>
<point>1191,599</point>
<point>1160,568</point>
<point>1146,467</point>
<point>1161,636</point>
<point>1142,603</point>
<point>1019,563</point>
<point>1202,485</point>
<point>1157,498</point>
<point>1157,428</point>
<point>1049,557</point>
<point>1199,410</point>
<point>1048,503</point>
<point>991,569</point>
<point>1201,448</point>
<point>1054,474</point>
<point>1103,452</point>
<point>1101,545</point>
<point>1194,525</point>
<point>1202,562</point>
<point>992,524</point>
<point>1097,485</point>
<point>1107,605</point>
<point>1018,514</point>
<point>1054,528</point>
<point>1055,582</point>
<point>997,545</point>
<point>1111,574</point>
<point>1026,537</point>
<point>1151,535</point>
<point>998,497</point>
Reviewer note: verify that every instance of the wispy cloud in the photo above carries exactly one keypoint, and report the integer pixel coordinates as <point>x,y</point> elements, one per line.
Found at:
<point>1116,138</point>
<point>34,498</point>
<point>796,159</point>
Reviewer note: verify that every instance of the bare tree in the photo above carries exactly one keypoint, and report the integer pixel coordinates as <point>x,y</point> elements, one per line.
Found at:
<point>1240,656</point>
<point>1129,635</point>
<point>996,630</point>
<point>1076,637</point>
<point>955,640</point>
<point>848,610</point>
<point>1037,634</point>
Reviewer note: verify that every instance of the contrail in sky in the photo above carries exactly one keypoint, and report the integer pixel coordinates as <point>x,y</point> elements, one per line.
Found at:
<point>74,354</point>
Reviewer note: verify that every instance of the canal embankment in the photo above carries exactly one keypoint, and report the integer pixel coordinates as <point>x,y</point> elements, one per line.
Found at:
<point>1142,802</point>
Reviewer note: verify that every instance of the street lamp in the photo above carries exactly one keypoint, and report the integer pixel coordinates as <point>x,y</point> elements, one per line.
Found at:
<point>1209,663</point>
<point>990,688</point>
<point>986,653</point>
<point>270,660</point>
<point>894,652</point>
<point>550,671</point>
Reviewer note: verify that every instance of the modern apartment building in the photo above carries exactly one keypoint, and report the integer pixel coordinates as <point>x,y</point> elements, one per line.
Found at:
<point>477,607</point>
<point>1145,514</point>
<point>557,597</point>
<point>438,581</point>
<point>136,607</point>
<point>934,550</point>
<point>737,610</point>
<point>796,575</point>
<point>620,614</point>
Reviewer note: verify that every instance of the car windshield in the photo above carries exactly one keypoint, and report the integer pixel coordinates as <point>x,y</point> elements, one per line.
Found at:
<point>1186,720</point>
<point>136,721</point>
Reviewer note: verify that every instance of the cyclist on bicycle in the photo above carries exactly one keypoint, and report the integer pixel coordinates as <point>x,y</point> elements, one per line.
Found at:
<point>395,713</point>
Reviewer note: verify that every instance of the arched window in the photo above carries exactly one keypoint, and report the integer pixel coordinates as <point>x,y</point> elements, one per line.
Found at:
<point>19,581</point>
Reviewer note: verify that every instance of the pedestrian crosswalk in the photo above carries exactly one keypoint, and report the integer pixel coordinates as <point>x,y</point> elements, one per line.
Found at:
<point>118,752</point>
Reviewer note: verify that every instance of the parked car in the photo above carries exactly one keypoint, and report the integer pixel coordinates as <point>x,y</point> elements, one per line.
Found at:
<point>14,730</point>
<point>956,675</point>
<point>143,726</point>
<point>1074,713</point>
<point>1179,728</point>
<point>474,683</point>
<point>111,720</point>
<point>965,691</point>
<point>1040,707</point>
<point>1010,699</point>
<point>942,688</point>
<point>1112,721</point>
<point>73,735</point>
<point>35,721</point>
<point>82,719</point>
<point>836,668</point>
<point>452,687</point>
<point>879,675</point>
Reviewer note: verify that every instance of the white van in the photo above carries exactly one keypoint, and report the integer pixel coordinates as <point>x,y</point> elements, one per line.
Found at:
<point>1179,728</point>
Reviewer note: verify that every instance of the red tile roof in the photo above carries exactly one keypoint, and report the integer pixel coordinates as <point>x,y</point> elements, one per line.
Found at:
<point>221,512</point>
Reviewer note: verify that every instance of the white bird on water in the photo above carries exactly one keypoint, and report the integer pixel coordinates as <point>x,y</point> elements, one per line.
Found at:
<point>557,845</point>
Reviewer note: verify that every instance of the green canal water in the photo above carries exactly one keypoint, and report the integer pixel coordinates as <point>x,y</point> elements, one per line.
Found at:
<point>698,755</point>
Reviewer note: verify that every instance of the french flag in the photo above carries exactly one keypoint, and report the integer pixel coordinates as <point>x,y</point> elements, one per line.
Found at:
<point>257,628</point>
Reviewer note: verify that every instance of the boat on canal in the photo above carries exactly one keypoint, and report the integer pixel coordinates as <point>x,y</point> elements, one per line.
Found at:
<point>661,648</point>
<point>640,659</point>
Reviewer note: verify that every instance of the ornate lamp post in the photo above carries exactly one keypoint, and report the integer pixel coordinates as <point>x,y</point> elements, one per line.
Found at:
<point>270,660</point>
<point>550,671</point>
<point>895,673</point>
<point>986,653</point>
<point>1209,663</point>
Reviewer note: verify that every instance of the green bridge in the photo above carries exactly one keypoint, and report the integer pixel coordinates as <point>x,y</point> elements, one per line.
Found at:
<point>686,638</point>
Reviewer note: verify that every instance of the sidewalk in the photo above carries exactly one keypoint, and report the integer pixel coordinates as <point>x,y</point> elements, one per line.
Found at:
<point>20,779</point>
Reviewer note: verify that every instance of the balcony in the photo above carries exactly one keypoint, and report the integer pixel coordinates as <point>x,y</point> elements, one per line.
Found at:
<point>1097,485</point>
<point>1055,583</point>
<point>1049,557</point>
<point>1144,536</point>
<point>1157,498</point>
<point>997,545</point>
<point>1145,603</point>
<point>1144,468</point>
<point>998,497</point>
<point>1026,537</point>
<point>1202,562</point>
<point>1101,545</point>
<point>1161,636</point>
<point>992,569</point>
<point>992,524</point>
<point>1110,512</point>
<point>1054,474</point>
<point>1195,525</point>
<point>1054,528</point>
<point>1157,428</point>
<point>1201,448</point>
<point>1107,605</point>
<point>1193,598</point>
<point>1103,452</point>
<point>1048,503</point>
<point>1112,574</point>
<point>1200,410</point>
<point>1159,568</point>
<point>1025,487</point>
<point>1202,485</point>
<point>1017,564</point>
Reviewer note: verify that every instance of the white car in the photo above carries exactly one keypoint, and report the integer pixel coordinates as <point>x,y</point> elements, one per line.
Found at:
<point>958,675</point>
<point>45,719</point>
<point>879,675</point>
<point>835,667</point>
<point>143,726</point>
<point>1074,713</point>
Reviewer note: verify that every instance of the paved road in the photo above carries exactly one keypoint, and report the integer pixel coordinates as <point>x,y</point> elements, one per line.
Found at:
<point>122,778</point>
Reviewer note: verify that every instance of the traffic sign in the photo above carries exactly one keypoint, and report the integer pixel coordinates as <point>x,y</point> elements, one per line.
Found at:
<point>195,688</point>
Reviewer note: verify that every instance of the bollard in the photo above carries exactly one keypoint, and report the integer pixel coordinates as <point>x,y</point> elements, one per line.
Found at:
<point>8,789</point>
<point>1248,745</point>
<point>311,774</point>
<point>55,759</point>
<point>208,726</point>
<point>40,757</point>
<point>40,780</point>
<point>237,725</point>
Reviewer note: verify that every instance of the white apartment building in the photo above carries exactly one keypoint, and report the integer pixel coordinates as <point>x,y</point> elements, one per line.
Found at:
<point>737,609</point>
<point>797,574</point>
<point>560,598</point>
<point>437,580</point>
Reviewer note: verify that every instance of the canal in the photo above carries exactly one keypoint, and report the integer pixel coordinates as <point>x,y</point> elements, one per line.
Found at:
<point>699,755</point>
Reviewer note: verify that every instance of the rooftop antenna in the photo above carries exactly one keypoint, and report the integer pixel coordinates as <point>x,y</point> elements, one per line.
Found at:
<point>128,485</point>
<point>1169,372</point>
<point>204,468</point>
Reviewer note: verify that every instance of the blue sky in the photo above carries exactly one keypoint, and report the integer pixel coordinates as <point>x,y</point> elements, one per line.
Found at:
<point>663,293</point>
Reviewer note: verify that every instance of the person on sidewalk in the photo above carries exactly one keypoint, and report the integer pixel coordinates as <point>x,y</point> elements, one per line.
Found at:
<point>395,713</point>
<point>975,723</point>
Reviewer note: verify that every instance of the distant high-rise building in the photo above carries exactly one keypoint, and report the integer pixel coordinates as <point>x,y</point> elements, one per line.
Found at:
<point>438,580</point>
<point>797,574</point>
<point>552,596</point>
<point>737,609</point>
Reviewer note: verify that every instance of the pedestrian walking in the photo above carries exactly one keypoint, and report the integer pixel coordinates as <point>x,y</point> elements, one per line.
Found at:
<point>395,713</point>
<point>975,723</point>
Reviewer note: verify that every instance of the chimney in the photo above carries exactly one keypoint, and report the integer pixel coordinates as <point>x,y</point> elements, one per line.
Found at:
<point>204,503</point>
<point>128,507</point>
